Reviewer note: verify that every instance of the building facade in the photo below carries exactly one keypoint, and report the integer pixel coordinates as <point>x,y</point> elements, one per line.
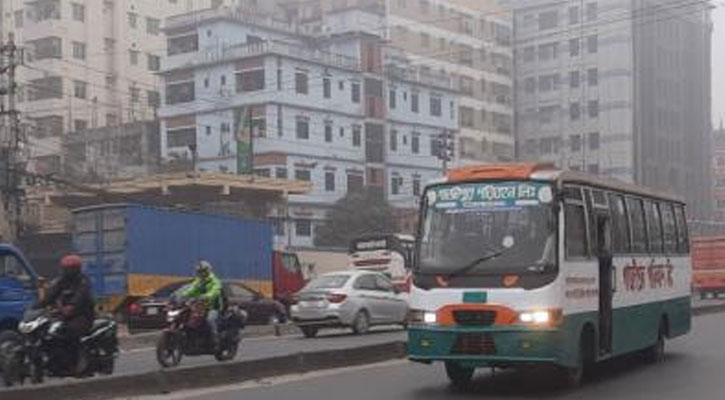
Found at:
<point>718,174</point>
<point>87,64</point>
<point>617,88</point>
<point>307,99</point>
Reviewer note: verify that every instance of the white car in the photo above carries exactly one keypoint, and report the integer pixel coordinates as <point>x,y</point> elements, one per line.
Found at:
<point>355,299</point>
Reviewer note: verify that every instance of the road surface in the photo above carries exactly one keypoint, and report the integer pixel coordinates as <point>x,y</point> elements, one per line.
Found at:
<point>694,370</point>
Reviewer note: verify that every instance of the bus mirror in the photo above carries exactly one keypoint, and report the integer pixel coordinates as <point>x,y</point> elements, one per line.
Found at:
<point>508,242</point>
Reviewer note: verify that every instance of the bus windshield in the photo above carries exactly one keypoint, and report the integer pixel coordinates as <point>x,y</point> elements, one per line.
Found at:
<point>509,226</point>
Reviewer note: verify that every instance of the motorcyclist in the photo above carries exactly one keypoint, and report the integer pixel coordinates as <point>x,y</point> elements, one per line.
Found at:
<point>208,288</point>
<point>71,293</point>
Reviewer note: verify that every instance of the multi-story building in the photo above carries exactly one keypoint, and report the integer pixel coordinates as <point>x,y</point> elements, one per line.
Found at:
<point>88,63</point>
<point>303,98</point>
<point>617,88</point>
<point>471,40</point>
<point>718,174</point>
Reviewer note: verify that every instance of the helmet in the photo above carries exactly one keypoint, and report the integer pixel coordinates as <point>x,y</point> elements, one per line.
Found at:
<point>71,262</point>
<point>203,269</point>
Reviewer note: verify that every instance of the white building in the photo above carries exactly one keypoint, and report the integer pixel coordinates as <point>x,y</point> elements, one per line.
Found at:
<point>88,63</point>
<point>320,107</point>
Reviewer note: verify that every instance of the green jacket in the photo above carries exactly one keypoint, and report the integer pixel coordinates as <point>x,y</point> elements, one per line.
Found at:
<point>209,290</point>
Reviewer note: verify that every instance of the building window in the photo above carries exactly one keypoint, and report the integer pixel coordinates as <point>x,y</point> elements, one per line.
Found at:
<point>154,62</point>
<point>154,98</point>
<point>80,125</point>
<point>45,10</point>
<point>396,182</point>
<point>593,108</point>
<point>329,181</point>
<point>303,175</point>
<point>573,15</point>
<point>594,141</point>
<point>355,182</point>
<point>135,94</point>
<point>180,93</point>
<point>436,106</point>
<point>593,43</point>
<point>415,143</point>
<point>467,117</point>
<point>250,81</point>
<point>575,142</point>
<point>303,228</point>
<point>280,172</point>
<point>153,26</point>
<point>174,138</point>
<point>574,79</point>
<point>326,87</point>
<point>574,47</point>
<point>593,76</point>
<point>79,12</point>
<point>263,172</point>
<point>592,11</point>
<point>49,47</point>
<point>301,82</point>
<point>328,133</point>
<point>393,140</point>
<point>548,20</point>
<point>355,92</point>
<point>356,136</point>
<point>393,99</point>
<point>574,111</point>
<point>133,57</point>
<point>414,102</point>
<point>548,82</point>
<point>416,186</point>
<point>530,85</point>
<point>303,128</point>
<point>80,89</point>
<point>132,20</point>
<point>183,44</point>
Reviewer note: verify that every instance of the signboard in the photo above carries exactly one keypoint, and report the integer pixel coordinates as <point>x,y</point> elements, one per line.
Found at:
<point>489,195</point>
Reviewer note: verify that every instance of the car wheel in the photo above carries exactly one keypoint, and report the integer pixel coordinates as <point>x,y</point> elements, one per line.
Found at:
<point>276,319</point>
<point>309,331</point>
<point>361,324</point>
<point>459,376</point>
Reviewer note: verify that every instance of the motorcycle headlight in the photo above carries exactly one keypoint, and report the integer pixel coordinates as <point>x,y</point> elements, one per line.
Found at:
<point>26,327</point>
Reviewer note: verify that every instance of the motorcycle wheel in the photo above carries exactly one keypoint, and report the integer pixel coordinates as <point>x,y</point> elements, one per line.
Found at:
<point>228,352</point>
<point>35,371</point>
<point>107,365</point>
<point>12,373</point>
<point>168,351</point>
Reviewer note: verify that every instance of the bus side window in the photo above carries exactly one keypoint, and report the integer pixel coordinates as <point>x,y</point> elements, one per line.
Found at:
<point>654,227</point>
<point>683,238</point>
<point>576,231</point>
<point>620,225</point>
<point>636,218</point>
<point>670,229</point>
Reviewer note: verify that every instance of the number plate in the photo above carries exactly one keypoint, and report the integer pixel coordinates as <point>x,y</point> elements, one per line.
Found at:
<point>312,304</point>
<point>152,311</point>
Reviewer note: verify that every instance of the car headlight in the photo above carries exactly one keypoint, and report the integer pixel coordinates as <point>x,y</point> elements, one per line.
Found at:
<point>422,317</point>
<point>540,317</point>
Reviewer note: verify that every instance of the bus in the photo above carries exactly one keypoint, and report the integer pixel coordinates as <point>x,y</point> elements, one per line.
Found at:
<point>386,253</point>
<point>522,264</point>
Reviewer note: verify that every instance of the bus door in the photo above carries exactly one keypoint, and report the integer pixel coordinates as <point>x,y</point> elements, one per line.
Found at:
<point>606,281</point>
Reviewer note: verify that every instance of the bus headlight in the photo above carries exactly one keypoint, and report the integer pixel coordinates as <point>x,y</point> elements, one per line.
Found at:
<point>541,317</point>
<point>422,317</point>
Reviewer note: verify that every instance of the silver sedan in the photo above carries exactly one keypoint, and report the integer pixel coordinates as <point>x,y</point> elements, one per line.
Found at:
<point>355,299</point>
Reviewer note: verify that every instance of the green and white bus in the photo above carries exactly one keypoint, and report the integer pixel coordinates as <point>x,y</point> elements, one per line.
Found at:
<point>522,264</point>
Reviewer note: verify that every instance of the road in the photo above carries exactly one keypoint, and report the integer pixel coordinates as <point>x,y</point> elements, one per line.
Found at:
<point>693,370</point>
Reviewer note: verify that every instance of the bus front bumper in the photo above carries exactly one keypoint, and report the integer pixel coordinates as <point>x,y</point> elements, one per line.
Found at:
<point>484,347</point>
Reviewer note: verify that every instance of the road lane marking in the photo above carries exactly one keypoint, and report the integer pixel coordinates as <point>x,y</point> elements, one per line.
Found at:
<point>265,382</point>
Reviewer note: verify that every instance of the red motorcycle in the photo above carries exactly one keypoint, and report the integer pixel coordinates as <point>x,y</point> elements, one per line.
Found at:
<point>187,333</point>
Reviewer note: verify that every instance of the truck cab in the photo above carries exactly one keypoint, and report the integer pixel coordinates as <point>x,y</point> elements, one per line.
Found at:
<point>18,286</point>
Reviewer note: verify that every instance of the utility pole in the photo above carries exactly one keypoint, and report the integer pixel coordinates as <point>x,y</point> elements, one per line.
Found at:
<point>10,147</point>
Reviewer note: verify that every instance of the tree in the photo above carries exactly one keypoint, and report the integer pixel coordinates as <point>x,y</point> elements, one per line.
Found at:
<point>357,214</point>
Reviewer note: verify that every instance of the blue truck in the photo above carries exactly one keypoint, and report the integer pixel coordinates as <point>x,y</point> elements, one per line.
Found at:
<point>130,251</point>
<point>18,286</point>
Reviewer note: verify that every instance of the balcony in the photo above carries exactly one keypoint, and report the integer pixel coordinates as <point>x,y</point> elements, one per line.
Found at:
<point>195,19</point>
<point>429,78</point>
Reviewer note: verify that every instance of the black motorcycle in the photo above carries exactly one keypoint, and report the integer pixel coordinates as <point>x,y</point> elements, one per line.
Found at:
<point>41,349</point>
<point>187,333</point>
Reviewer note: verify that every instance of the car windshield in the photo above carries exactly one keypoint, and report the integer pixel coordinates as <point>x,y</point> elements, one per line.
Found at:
<point>328,282</point>
<point>466,223</point>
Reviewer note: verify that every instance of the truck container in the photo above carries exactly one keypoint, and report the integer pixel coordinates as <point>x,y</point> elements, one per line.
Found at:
<point>708,266</point>
<point>129,251</point>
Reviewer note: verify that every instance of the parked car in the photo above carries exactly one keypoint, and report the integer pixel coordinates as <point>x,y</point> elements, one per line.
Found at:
<point>354,299</point>
<point>148,313</point>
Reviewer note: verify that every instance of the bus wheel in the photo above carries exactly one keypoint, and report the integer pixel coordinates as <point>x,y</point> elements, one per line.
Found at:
<point>459,376</point>
<point>656,353</point>
<point>572,377</point>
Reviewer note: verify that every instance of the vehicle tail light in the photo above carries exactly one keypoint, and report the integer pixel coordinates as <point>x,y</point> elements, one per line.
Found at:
<point>336,298</point>
<point>294,299</point>
<point>134,309</point>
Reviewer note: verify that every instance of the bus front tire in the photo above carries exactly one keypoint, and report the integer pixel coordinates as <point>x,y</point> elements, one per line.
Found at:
<point>572,377</point>
<point>459,376</point>
<point>656,353</point>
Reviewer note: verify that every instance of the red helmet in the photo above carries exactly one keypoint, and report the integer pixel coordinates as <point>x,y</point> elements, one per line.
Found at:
<point>71,261</point>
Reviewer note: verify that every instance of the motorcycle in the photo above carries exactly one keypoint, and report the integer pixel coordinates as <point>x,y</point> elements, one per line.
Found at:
<point>187,333</point>
<point>40,349</point>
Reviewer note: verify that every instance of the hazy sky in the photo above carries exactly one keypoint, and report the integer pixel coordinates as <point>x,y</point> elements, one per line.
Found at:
<point>718,66</point>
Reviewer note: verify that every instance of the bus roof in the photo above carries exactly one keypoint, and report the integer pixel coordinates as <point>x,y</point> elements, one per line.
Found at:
<point>547,172</point>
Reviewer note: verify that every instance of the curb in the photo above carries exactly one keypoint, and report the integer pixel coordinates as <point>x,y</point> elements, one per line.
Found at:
<point>197,377</point>
<point>148,339</point>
